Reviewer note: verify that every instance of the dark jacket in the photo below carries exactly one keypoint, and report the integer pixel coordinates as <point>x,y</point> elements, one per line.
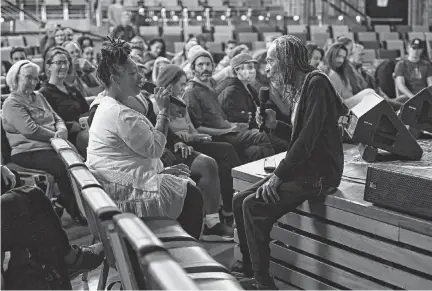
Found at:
<point>316,143</point>
<point>235,99</point>
<point>70,107</point>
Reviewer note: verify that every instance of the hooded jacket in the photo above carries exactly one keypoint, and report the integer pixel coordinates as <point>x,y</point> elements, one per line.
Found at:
<point>316,149</point>
<point>235,99</point>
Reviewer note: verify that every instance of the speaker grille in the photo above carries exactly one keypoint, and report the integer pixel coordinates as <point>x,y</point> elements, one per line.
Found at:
<point>399,191</point>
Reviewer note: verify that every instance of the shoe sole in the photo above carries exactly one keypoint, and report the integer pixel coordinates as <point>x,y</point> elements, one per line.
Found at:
<point>213,237</point>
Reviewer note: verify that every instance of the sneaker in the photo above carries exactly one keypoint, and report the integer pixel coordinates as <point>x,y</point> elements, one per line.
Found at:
<point>227,219</point>
<point>88,258</point>
<point>240,271</point>
<point>219,232</point>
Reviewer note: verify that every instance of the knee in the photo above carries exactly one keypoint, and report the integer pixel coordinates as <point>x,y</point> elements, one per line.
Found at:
<point>208,165</point>
<point>248,203</point>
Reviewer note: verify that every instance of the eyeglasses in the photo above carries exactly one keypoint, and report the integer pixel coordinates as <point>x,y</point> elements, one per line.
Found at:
<point>60,63</point>
<point>30,78</point>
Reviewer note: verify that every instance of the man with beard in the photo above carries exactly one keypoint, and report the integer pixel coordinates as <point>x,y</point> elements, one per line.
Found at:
<point>209,118</point>
<point>314,161</point>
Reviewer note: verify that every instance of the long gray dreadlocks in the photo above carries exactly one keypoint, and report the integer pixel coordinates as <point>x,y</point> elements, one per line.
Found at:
<point>292,56</point>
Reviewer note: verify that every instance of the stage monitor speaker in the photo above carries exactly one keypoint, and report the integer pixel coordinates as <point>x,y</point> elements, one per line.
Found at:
<point>374,123</point>
<point>417,112</point>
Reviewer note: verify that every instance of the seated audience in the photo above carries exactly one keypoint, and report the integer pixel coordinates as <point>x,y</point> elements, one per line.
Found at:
<point>88,54</point>
<point>85,41</point>
<point>124,30</point>
<point>30,123</point>
<point>125,148</point>
<point>69,34</point>
<point>180,59</point>
<point>384,77</point>
<point>225,62</point>
<point>17,53</point>
<point>159,64</point>
<point>48,39</point>
<point>187,65</point>
<point>209,118</point>
<point>138,41</point>
<point>137,53</point>
<point>413,73</point>
<point>58,40</point>
<point>261,78</point>
<point>227,71</point>
<point>156,48</point>
<point>339,71</point>
<point>316,54</point>
<point>83,72</point>
<point>357,61</point>
<point>66,100</point>
<point>174,78</point>
<point>41,255</point>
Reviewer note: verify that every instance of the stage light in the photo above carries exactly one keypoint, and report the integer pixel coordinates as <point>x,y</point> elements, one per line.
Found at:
<point>199,18</point>
<point>296,17</point>
<point>175,18</point>
<point>223,17</point>
<point>279,17</point>
<point>155,18</point>
<point>358,18</point>
<point>243,17</point>
<point>141,11</point>
<point>1,19</point>
<point>340,17</point>
<point>260,18</point>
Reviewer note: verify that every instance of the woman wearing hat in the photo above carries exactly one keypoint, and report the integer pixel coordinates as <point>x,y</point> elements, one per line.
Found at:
<point>30,122</point>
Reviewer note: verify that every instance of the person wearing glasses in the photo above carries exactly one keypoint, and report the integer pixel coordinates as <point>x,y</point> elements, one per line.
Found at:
<point>29,123</point>
<point>67,101</point>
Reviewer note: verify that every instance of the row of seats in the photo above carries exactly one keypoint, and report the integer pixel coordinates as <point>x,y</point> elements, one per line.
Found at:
<point>149,253</point>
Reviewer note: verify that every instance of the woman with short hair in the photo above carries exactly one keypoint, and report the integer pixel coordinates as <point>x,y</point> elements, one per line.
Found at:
<point>30,122</point>
<point>124,148</point>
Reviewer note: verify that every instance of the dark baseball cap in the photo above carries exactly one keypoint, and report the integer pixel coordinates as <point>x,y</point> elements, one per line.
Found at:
<point>416,43</point>
<point>241,59</point>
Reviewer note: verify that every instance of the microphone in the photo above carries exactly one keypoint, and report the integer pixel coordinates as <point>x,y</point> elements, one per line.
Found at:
<point>264,96</point>
<point>149,87</point>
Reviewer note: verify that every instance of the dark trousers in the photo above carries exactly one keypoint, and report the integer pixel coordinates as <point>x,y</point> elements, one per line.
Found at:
<point>251,145</point>
<point>226,158</point>
<point>254,218</point>
<point>192,215</point>
<point>279,145</point>
<point>29,222</point>
<point>48,161</point>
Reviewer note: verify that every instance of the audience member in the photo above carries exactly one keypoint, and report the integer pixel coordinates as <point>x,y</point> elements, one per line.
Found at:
<point>187,65</point>
<point>357,61</point>
<point>115,13</point>
<point>138,41</point>
<point>209,118</point>
<point>156,48</point>
<point>261,78</point>
<point>30,123</point>
<point>48,39</point>
<point>88,54</point>
<point>83,72</point>
<point>413,73</point>
<point>124,30</point>
<point>202,41</point>
<point>174,78</point>
<point>59,37</point>
<point>316,54</point>
<point>137,53</point>
<point>181,59</point>
<point>41,255</point>
<point>336,60</point>
<point>385,78</point>
<point>159,64</point>
<point>227,71</point>
<point>314,162</point>
<point>67,101</point>
<point>347,42</point>
<point>125,148</point>
<point>229,46</point>
<point>69,34</point>
<point>85,41</point>
<point>17,53</point>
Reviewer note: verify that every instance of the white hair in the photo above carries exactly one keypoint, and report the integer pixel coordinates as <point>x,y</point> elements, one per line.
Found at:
<point>12,75</point>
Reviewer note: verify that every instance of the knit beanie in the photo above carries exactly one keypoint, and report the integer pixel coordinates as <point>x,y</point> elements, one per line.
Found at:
<point>167,75</point>
<point>198,51</point>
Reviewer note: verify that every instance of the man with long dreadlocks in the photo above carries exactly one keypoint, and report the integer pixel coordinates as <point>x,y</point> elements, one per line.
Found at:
<point>314,161</point>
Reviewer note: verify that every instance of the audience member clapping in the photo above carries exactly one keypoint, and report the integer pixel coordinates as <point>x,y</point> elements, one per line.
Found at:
<point>30,123</point>
<point>125,148</point>
<point>66,100</point>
